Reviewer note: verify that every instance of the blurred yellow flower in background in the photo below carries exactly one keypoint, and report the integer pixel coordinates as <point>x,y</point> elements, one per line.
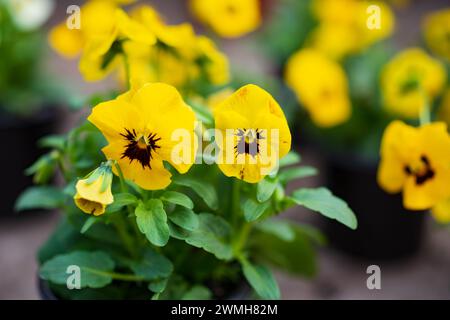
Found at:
<point>417,161</point>
<point>102,50</point>
<point>410,81</point>
<point>156,64</point>
<point>180,37</point>
<point>139,126</point>
<point>179,57</point>
<point>437,30</point>
<point>70,42</point>
<point>343,26</point>
<point>320,85</point>
<point>212,61</point>
<point>228,18</point>
<point>246,120</point>
<point>441,212</point>
<point>94,191</point>
<point>66,42</point>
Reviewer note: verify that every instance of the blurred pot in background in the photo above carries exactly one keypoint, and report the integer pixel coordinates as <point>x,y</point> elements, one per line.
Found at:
<point>350,84</point>
<point>27,102</point>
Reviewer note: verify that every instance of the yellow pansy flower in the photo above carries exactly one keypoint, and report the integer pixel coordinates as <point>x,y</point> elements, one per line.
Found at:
<point>102,51</point>
<point>228,18</point>
<point>139,127</point>
<point>94,191</point>
<point>254,134</point>
<point>436,31</point>
<point>411,80</point>
<point>441,212</point>
<point>320,85</point>
<point>344,26</point>
<point>417,161</point>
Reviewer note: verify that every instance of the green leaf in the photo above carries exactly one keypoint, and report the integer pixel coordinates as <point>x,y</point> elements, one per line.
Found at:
<point>177,232</point>
<point>178,198</point>
<point>40,198</point>
<point>121,200</point>
<point>290,159</point>
<point>153,266</point>
<point>152,221</point>
<point>324,202</point>
<point>158,286</point>
<point>95,268</point>
<point>184,218</point>
<point>202,113</point>
<point>204,190</point>
<point>261,280</point>
<point>53,141</point>
<point>44,168</point>
<point>279,228</point>
<point>212,235</point>
<point>253,209</point>
<point>197,293</point>
<point>290,174</point>
<point>295,255</point>
<point>89,223</point>
<point>266,188</point>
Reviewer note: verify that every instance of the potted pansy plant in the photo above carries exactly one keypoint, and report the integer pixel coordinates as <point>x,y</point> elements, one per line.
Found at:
<point>163,196</point>
<point>351,84</point>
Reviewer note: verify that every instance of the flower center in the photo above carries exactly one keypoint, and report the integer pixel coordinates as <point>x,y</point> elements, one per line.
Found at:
<point>422,170</point>
<point>140,147</point>
<point>248,142</point>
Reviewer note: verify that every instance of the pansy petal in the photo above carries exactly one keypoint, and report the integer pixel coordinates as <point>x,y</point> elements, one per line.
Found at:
<point>113,117</point>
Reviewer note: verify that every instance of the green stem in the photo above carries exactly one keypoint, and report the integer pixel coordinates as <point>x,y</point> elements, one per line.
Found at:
<point>425,117</point>
<point>119,224</point>
<point>126,63</point>
<point>123,186</point>
<point>235,202</point>
<point>123,233</point>
<point>241,239</point>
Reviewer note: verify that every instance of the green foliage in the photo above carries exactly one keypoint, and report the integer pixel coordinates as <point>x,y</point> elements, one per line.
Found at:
<point>324,202</point>
<point>253,209</point>
<point>178,198</point>
<point>153,266</point>
<point>204,190</point>
<point>152,221</point>
<point>261,279</point>
<point>185,218</point>
<point>288,29</point>
<point>287,246</point>
<point>40,198</point>
<point>211,235</point>
<point>95,268</point>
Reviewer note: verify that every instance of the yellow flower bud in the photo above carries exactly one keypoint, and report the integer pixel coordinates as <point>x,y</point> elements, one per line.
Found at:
<point>94,191</point>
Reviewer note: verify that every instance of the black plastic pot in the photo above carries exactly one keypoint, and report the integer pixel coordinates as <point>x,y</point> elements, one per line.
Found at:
<point>18,138</point>
<point>386,231</point>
